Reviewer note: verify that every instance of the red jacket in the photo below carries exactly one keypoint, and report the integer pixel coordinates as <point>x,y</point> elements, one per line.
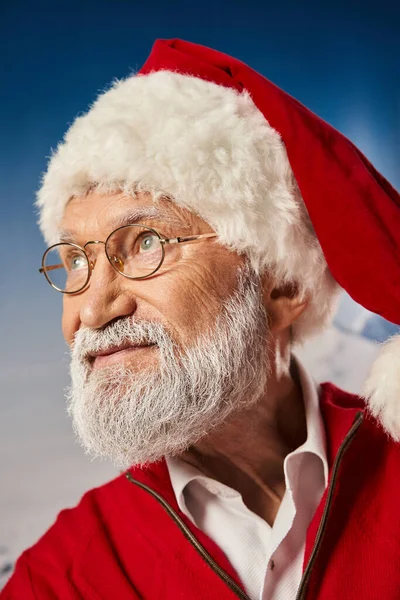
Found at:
<point>128,539</point>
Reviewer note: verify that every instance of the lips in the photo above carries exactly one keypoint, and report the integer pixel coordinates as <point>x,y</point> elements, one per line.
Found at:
<point>116,354</point>
<point>115,349</point>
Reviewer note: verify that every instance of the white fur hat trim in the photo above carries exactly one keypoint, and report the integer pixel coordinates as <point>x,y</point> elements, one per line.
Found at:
<point>382,389</point>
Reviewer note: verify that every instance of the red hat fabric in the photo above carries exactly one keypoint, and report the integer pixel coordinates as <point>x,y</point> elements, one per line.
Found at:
<point>354,210</point>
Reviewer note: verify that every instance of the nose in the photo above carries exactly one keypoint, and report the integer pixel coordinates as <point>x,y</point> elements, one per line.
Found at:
<point>108,296</point>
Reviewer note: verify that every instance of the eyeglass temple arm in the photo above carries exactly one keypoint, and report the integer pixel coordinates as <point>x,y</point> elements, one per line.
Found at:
<point>190,238</point>
<point>50,268</point>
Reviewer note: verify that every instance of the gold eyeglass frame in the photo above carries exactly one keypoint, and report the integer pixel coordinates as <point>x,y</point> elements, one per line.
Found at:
<point>114,261</point>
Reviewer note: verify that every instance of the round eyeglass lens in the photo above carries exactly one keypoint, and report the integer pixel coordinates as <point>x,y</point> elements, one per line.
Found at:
<point>135,251</point>
<point>66,268</point>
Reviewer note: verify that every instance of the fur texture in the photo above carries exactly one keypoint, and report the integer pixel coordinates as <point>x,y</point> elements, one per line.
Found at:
<point>382,390</point>
<point>210,150</point>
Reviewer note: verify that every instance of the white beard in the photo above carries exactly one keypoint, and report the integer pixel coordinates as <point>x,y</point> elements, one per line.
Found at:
<point>135,418</point>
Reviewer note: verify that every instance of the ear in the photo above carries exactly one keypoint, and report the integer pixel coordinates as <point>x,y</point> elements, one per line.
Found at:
<point>283,304</point>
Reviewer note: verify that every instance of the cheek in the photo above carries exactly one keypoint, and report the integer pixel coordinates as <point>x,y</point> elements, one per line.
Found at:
<point>192,299</point>
<point>70,319</point>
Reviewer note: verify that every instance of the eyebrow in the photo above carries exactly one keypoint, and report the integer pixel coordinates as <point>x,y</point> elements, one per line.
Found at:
<point>143,213</point>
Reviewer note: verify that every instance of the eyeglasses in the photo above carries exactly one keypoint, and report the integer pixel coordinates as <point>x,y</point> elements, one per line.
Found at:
<point>134,251</point>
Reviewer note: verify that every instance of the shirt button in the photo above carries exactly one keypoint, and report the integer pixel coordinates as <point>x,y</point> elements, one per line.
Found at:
<point>271,565</point>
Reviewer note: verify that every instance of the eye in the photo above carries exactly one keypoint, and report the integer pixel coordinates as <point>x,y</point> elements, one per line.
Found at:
<point>149,242</point>
<point>76,262</point>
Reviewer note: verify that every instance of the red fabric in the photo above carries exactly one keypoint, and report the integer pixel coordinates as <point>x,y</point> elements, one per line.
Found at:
<point>120,543</point>
<point>354,210</point>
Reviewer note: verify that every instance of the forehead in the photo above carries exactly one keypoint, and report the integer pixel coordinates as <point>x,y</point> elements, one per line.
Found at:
<point>96,214</point>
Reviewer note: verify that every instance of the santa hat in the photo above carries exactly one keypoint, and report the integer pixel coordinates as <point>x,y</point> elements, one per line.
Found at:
<point>273,180</point>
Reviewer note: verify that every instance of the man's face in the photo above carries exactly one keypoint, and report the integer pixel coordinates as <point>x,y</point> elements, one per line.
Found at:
<point>158,363</point>
<point>185,299</point>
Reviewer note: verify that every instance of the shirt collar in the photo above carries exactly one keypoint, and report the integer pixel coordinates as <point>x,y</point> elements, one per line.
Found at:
<point>182,473</point>
<point>316,437</point>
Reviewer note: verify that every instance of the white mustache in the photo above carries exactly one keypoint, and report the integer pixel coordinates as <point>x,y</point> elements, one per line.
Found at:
<point>125,331</point>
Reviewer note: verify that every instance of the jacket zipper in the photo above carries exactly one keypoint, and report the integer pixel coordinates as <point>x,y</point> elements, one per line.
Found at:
<point>320,533</point>
<point>324,520</point>
<point>193,540</point>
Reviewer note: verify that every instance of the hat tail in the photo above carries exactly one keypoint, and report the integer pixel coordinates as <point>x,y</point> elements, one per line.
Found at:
<point>382,389</point>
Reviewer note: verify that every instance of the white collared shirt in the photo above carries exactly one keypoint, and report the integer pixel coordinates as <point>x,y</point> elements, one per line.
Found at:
<point>268,560</point>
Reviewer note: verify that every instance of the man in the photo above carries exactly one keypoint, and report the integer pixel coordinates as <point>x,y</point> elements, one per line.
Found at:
<point>199,222</point>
